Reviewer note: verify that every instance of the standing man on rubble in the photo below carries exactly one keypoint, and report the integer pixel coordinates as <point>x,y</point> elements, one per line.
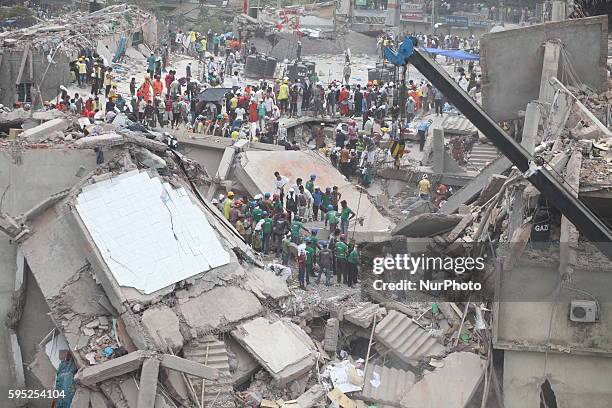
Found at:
<point>424,188</point>
<point>341,250</point>
<point>422,132</point>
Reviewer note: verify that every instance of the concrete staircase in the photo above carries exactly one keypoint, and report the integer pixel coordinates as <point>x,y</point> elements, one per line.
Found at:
<point>211,352</point>
<point>481,155</point>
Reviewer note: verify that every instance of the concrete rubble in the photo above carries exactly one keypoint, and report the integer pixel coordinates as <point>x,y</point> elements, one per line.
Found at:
<point>459,376</point>
<point>405,339</point>
<point>281,347</point>
<point>230,333</point>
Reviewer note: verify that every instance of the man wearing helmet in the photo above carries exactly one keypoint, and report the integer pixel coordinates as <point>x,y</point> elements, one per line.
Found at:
<point>424,188</point>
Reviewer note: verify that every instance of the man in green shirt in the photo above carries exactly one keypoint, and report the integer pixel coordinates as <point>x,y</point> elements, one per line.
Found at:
<point>332,218</point>
<point>346,214</point>
<point>257,214</point>
<point>341,250</point>
<point>267,231</point>
<point>353,266</point>
<point>296,228</point>
<point>310,183</point>
<point>310,256</point>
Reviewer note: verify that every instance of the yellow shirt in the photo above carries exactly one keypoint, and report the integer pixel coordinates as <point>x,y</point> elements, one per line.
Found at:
<point>283,92</point>
<point>424,186</point>
<point>82,68</point>
<point>227,207</point>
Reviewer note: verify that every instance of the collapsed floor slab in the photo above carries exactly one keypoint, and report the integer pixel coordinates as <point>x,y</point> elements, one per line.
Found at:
<point>459,377</point>
<point>279,346</point>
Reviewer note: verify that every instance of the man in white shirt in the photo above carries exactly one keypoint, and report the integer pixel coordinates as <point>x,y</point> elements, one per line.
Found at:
<point>240,113</point>
<point>279,185</point>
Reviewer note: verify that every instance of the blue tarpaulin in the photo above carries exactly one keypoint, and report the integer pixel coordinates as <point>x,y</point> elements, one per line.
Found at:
<point>456,54</point>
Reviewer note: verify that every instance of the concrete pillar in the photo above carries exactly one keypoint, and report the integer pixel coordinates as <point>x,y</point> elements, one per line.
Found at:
<point>569,233</point>
<point>530,128</point>
<point>559,12</point>
<point>148,383</point>
<point>438,151</point>
<point>550,68</point>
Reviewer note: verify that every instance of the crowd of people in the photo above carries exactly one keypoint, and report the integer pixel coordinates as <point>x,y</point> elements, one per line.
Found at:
<point>274,222</point>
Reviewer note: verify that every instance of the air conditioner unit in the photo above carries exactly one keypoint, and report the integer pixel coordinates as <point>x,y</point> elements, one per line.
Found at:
<point>584,311</point>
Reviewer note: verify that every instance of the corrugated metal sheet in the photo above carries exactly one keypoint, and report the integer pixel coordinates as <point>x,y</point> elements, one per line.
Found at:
<point>405,339</point>
<point>362,315</point>
<point>211,352</point>
<point>394,384</point>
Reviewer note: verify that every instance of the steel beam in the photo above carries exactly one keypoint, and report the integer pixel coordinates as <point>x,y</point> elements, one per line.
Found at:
<point>555,192</point>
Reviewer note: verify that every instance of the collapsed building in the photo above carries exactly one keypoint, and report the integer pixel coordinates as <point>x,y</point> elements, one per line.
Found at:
<point>36,60</point>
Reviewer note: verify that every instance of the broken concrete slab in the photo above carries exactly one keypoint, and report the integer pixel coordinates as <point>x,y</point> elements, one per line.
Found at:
<point>98,400</point>
<point>112,368</point>
<point>43,370</point>
<point>311,397</point>
<point>427,225</point>
<point>495,183</point>
<point>81,398</point>
<point>385,385</point>
<point>265,285</point>
<point>189,367</point>
<point>451,385</point>
<point>175,384</point>
<point>148,383</point>
<point>100,141</point>
<point>149,159</point>
<point>471,190</point>
<point>221,305</point>
<point>363,314</point>
<point>162,325</point>
<point>41,132</point>
<point>405,339</point>
<point>280,347</point>
<point>242,364</point>
<point>419,207</point>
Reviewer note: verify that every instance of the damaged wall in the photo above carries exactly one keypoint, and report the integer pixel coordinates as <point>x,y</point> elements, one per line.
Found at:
<point>575,380</point>
<point>511,61</point>
<point>39,173</point>
<point>10,64</point>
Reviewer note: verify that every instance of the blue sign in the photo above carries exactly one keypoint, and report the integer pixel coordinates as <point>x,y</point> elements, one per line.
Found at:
<point>457,21</point>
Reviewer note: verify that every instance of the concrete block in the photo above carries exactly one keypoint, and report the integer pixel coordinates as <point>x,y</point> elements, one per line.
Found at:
<point>427,225</point>
<point>451,385</point>
<point>332,329</point>
<point>81,398</point>
<point>363,314</point>
<point>280,347</point>
<point>242,364</point>
<point>102,141</point>
<point>112,368</point>
<point>148,383</point>
<point>175,384</point>
<point>43,370</point>
<point>311,397</point>
<point>41,132</point>
<point>162,325</point>
<point>189,367</point>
